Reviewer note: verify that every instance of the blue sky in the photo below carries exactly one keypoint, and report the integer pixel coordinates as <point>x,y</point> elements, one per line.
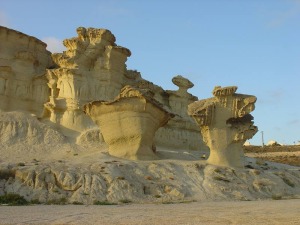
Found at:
<point>253,44</point>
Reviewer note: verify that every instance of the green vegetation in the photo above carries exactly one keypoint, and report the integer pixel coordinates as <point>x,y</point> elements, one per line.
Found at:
<point>13,199</point>
<point>61,201</point>
<point>276,197</point>
<point>125,201</point>
<point>168,202</point>
<point>104,203</point>
<point>35,202</point>
<point>5,174</point>
<point>77,203</point>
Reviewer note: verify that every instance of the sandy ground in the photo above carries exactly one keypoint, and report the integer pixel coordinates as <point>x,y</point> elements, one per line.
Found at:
<point>255,212</point>
<point>287,154</point>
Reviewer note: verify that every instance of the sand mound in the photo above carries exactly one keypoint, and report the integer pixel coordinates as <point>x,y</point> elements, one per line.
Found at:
<point>22,135</point>
<point>21,127</point>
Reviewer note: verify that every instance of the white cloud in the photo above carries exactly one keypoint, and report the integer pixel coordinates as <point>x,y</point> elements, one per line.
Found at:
<point>3,19</point>
<point>54,45</point>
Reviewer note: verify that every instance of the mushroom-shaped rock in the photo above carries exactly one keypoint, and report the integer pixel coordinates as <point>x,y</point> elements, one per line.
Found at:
<point>183,83</point>
<point>225,123</point>
<point>128,124</point>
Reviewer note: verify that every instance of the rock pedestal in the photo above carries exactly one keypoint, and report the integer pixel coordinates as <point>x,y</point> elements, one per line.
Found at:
<point>128,124</point>
<point>225,123</point>
<point>181,132</point>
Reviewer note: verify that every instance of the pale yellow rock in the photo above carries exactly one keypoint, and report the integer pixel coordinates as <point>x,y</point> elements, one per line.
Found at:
<point>92,68</point>
<point>129,123</point>
<point>40,163</point>
<point>226,123</point>
<point>23,63</point>
<point>181,132</point>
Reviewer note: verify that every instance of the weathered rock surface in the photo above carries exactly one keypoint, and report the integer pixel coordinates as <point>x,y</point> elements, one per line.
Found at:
<point>41,161</point>
<point>92,68</point>
<point>226,123</point>
<point>23,63</point>
<point>23,136</point>
<point>129,123</point>
<point>161,181</point>
<point>181,132</point>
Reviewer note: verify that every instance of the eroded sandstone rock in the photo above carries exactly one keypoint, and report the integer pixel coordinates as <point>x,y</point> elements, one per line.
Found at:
<point>129,123</point>
<point>92,68</point>
<point>23,63</point>
<point>225,123</point>
<point>181,132</point>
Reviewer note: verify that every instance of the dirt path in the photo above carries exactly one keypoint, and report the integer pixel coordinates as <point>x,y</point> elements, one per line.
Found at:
<point>256,212</point>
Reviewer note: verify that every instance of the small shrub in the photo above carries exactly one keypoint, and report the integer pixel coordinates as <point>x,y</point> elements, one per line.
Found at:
<point>35,201</point>
<point>104,203</point>
<point>61,201</point>
<point>187,201</point>
<point>6,174</point>
<point>157,196</point>
<point>276,197</point>
<point>21,164</point>
<point>13,199</point>
<point>168,202</point>
<point>125,201</point>
<point>77,203</point>
<point>120,178</point>
<point>217,170</point>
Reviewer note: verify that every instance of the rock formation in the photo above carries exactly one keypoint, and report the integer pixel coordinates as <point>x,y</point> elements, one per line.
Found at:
<point>129,123</point>
<point>225,123</point>
<point>45,165</point>
<point>23,63</point>
<point>181,132</point>
<point>55,87</point>
<point>92,68</point>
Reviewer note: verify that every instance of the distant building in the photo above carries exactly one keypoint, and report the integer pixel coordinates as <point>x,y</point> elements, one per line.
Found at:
<point>247,143</point>
<point>273,143</point>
